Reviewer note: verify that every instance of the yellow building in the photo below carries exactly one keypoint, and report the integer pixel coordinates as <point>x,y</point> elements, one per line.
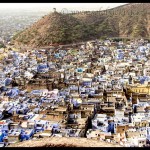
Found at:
<point>141,89</point>
<point>136,90</point>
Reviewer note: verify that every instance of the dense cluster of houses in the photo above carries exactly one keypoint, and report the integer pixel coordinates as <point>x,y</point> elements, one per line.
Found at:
<point>97,90</point>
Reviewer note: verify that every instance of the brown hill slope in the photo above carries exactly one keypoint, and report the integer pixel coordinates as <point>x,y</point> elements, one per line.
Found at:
<point>134,19</point>
<point>130,20</point>
<point>64,142</point>
<point>53,27</point>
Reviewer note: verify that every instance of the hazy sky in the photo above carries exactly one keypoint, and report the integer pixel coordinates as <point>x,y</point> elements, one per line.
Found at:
<point>60,6</point>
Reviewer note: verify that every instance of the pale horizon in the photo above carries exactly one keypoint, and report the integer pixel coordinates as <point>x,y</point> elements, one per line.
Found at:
<point>59,6</point>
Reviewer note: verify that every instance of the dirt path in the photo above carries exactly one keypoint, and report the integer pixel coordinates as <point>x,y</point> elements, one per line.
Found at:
<point>64,142</point>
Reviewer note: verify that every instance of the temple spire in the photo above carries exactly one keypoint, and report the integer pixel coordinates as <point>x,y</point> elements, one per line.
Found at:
<point>54,9</point>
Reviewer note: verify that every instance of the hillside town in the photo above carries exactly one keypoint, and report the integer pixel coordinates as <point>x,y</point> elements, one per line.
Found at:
<point>96,90</point>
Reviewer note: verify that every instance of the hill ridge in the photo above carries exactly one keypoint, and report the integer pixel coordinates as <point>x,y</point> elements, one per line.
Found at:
<point>130,20</point>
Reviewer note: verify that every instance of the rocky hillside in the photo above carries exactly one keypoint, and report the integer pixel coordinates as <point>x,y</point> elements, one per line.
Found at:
<point>64,142</point>
<point>133,20</point>
<point>129,20</point>
<point>64,28</point>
